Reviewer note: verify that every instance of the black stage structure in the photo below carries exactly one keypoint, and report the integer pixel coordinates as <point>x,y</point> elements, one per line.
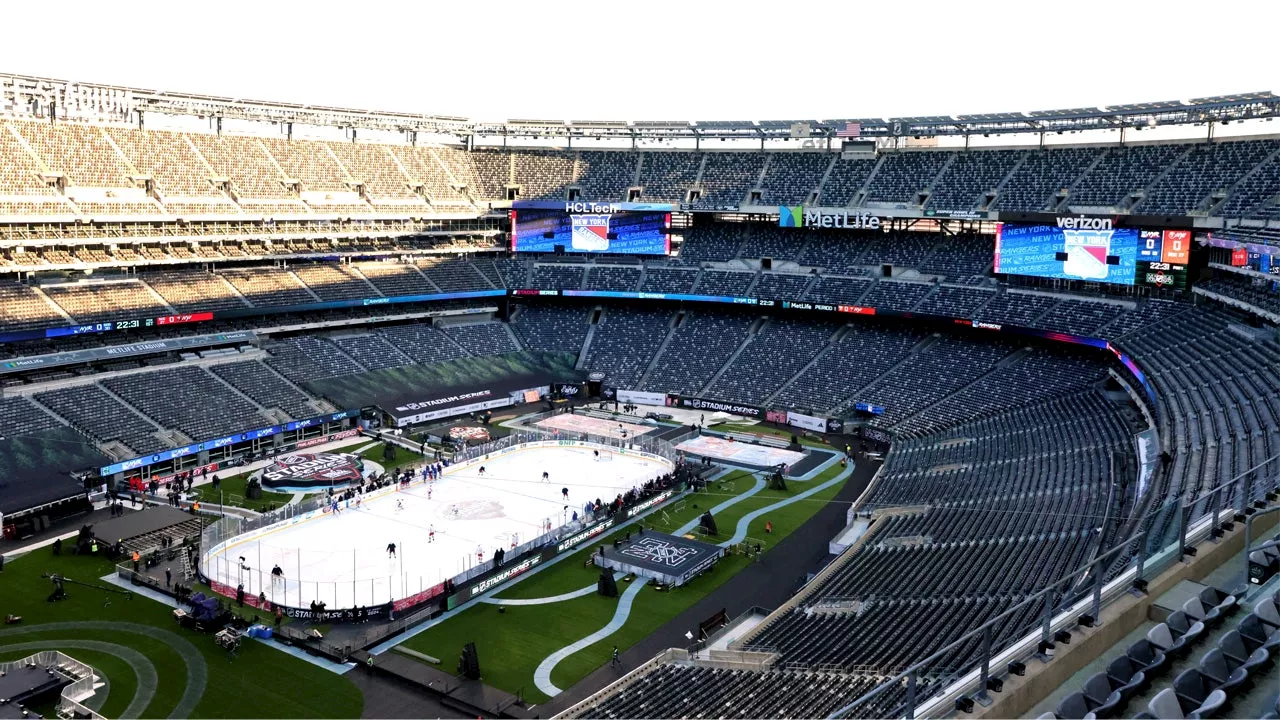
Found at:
<point>142,530</point>
<point>669,559</point>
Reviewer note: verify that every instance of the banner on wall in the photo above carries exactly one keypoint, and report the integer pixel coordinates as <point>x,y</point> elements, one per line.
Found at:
<point>717,406</point>
<point>808,422</point>
<point>568,390</point>
<point>642,398</point>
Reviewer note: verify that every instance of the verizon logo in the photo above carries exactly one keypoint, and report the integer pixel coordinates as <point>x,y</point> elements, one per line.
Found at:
<point>1081,222</point>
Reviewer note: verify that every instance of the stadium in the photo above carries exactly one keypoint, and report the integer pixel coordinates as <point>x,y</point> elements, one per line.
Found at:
<point>314,411</point>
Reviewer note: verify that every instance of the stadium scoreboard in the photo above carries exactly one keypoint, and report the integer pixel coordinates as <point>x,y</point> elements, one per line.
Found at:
<point>591,227</point>
<point>1094,249</point>
<point>1163,256</point>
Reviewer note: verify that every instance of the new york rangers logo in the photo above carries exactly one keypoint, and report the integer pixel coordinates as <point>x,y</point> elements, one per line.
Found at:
<point>590,233</point>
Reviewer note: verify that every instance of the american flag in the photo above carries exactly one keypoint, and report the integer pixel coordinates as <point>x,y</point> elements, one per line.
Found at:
<point>850,130</point>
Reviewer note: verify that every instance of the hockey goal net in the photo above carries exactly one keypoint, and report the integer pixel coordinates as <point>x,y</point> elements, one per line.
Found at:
<point>605,455</point>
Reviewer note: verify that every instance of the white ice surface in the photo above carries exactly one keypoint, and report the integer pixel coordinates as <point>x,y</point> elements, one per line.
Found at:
<point>343,560</point>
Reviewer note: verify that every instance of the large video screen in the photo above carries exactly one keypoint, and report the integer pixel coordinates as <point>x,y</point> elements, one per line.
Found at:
<point>607,228</point>
<point>1107,255</point>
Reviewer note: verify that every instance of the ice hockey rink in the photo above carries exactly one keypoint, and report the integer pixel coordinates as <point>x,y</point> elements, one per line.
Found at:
<point>342,559</point>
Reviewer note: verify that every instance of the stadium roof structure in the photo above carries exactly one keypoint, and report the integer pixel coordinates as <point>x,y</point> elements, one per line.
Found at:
<point>45,96</point>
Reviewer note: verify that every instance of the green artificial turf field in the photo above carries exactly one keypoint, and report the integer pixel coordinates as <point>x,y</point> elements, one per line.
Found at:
<point>400,456</point>
<point>153,667</point>
<point>233,493</point>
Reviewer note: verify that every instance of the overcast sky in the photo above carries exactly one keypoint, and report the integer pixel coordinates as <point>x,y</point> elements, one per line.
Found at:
<point>658,60</point>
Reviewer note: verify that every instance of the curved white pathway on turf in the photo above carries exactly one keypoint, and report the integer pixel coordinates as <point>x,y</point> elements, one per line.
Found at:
<point>542,676</point>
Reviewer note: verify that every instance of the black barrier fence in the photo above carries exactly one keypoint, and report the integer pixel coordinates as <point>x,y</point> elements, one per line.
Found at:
<point>516,565</point>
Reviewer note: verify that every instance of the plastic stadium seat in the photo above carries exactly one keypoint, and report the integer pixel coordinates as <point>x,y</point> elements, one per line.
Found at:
<point>1199,695</point>
<point>1075,707</point>
<point>1243,652</point>
<point>1148,656</point>
<point>1126,676</point>
<point>1168,705</point>
<point>1213,597</point>
<point>1267,612</point>
<point>1197,611</point>
<point>1182,625</point>
<point>1262,635</point>
<point>1162,637</point>
<point>1104,699</point>
<point>1219,669</point>
<point>1165,706</point>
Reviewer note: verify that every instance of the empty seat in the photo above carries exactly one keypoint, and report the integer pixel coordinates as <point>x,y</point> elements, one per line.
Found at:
<point>1166,705</point>
<point>1215,666</point>
<point>1225,602</point>
<point>1267,611</point>
<point>1211,616</point>
<point>1174,645</point>
<point>1243,652</point>
<point>1265,636</point>
<point>1074,706</point>
<point>1198,693</point>
<point>1105,700</point>
<point>1126,676</point>
<point>1148,656</point>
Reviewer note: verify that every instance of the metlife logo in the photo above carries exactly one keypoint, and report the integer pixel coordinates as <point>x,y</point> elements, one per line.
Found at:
<point>799,216</point>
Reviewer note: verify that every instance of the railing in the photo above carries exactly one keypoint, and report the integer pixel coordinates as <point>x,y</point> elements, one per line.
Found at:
<point>700,643</point>
<point>79,689</point>
<point>1075,599</point>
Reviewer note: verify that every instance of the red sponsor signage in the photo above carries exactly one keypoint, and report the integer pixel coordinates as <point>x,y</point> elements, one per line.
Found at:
<point>328,438</point>
<point>1239,257</point>
<point>856,309</point>
<point>140,485</point>
<point>1176,247</point>
<point>419,598</point>
<point>188,318</point>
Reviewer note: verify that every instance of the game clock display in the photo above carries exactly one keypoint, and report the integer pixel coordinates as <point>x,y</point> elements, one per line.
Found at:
<point>1163,256</point>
